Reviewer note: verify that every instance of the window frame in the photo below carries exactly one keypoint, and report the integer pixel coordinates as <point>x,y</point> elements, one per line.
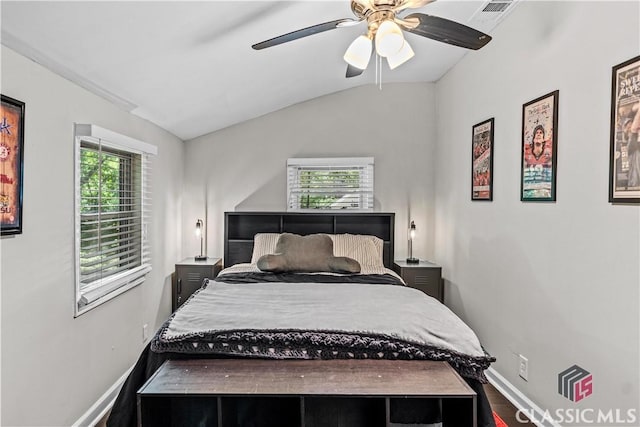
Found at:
<point>356,163</point>
<point>102,290</point>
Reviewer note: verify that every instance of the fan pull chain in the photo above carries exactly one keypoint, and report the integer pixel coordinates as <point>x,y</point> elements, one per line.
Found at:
<point>380,65</point>
<point>378,61</point>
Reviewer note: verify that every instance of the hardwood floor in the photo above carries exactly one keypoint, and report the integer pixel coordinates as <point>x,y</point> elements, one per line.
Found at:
<point>504,408</point>
<point>103,422</point>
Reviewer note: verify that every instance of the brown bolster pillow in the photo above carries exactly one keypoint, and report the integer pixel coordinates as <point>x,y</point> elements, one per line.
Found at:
<point>306,254</point>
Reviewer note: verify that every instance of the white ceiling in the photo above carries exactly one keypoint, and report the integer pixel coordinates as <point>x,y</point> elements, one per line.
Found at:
<point>188,66</point>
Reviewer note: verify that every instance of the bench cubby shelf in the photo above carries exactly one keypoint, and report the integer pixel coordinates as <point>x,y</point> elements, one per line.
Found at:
<point>301,393</point>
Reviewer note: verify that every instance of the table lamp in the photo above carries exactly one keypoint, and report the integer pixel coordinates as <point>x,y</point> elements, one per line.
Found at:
<point>199,233</point>
<point>412,235</point>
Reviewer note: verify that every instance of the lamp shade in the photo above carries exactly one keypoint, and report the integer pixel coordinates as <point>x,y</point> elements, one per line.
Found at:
<point>405,54</point>
<point>389,39</point>
<point>359,52</point>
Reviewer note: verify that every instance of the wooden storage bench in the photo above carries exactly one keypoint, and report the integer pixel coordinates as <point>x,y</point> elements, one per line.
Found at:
<point>299,393</point>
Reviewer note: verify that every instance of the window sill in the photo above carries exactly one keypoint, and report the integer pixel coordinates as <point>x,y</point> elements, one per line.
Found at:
<point>98,295</point>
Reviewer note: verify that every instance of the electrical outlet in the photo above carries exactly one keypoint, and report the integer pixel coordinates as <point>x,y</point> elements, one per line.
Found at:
<point>145,332</point>
<point>523,367</point>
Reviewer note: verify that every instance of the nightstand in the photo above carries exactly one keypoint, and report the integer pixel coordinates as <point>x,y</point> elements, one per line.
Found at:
<point>425,276</point>
<point>189,276</point>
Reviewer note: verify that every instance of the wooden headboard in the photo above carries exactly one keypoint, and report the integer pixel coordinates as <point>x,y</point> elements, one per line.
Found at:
<point>240,227</point>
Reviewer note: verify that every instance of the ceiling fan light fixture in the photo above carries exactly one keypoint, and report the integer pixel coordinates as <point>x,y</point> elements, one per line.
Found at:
<point>359,52</point>
<point>389,38</point>
<point>405,54</point>
<point>386,25</point>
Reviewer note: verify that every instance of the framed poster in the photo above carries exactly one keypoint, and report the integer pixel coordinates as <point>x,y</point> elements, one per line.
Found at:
<point>11,157</point>
<point>482,161</point>
<point>624,158</point>
<point>539,149</point>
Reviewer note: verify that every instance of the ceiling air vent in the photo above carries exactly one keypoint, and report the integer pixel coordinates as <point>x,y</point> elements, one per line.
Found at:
<point>491,12</point>
<point>497,6</point>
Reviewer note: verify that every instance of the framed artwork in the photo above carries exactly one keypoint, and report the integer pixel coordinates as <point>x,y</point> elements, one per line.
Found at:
<point>539,149</point>
<point>482,161</point>
<point>624,158</point>
<point>11,158</point>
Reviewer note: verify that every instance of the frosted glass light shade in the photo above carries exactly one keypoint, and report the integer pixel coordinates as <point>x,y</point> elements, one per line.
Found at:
<point>389,39</point>
<point>405,54</point>
<point>359,52</point>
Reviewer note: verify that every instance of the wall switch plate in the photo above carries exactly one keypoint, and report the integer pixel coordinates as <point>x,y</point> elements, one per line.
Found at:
<point>523,367</point>
<point>145,332</point>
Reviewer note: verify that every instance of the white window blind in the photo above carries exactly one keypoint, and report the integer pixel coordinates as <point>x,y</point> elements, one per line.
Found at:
<point>330,183</point>
<point>113,209</point>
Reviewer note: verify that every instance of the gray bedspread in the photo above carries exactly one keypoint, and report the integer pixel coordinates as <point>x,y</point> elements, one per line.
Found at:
<point>322,320</point>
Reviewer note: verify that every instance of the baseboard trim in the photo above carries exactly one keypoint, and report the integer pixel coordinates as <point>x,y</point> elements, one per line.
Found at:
<point>518,399</point>
<point>103,404</point>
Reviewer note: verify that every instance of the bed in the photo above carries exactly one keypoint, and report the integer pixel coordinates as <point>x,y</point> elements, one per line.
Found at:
<point>285,313</point>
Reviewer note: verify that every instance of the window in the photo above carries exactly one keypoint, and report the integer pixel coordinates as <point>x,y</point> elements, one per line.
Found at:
<point>330,184</point>
<point>112,208</point>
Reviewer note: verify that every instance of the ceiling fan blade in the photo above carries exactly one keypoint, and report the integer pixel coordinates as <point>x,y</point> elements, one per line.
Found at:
<point>444,30</point>
<point>353,71</point>
<point>304,32</point>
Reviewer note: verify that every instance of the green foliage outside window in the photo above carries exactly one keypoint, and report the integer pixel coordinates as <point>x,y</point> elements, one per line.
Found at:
<point>328,189</point>
<point>106,197</point>
<point>99,182</point>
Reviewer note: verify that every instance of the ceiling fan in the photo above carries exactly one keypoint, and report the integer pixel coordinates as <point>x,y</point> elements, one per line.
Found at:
<point>384,30</point>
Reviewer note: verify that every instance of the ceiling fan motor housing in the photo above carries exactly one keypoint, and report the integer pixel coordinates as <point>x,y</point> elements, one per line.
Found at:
<point>363,9</point>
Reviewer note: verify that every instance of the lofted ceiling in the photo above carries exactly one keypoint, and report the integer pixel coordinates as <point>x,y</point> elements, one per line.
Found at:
<point>188,66</point>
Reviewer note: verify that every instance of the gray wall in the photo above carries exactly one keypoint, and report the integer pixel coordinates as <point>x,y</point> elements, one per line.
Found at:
<point>243,167</point>
<point>556,282</point>
<point>54,367</point>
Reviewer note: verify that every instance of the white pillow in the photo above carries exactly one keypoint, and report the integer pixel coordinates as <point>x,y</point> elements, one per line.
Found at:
<point>263,244</point>
<point>365,249</point>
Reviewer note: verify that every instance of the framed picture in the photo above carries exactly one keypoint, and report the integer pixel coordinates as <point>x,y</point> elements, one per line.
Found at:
<point>482,161</point>
<point>624,158</point>
<point>539,149</point>
<point>11,157</point>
